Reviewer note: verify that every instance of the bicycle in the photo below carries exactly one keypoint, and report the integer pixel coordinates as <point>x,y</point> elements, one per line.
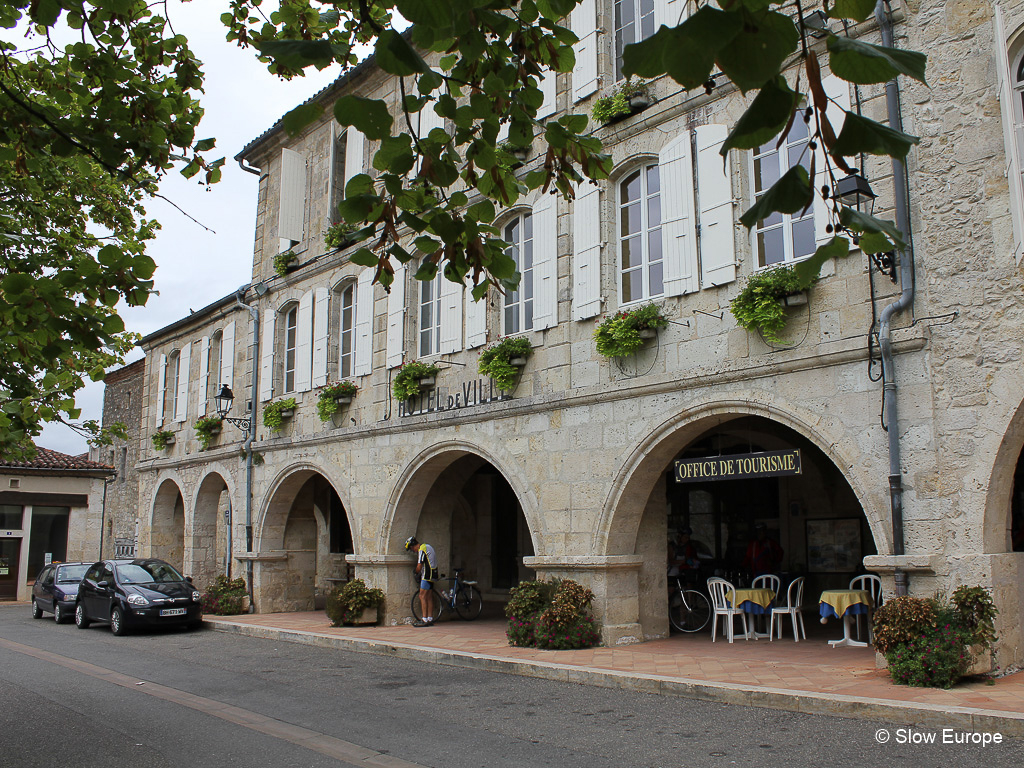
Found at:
<point>689,610</point>
<point>456,596</point>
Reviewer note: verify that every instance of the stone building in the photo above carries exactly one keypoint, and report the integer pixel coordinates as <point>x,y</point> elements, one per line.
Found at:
<point>571,473</point>
<point>51,509</point>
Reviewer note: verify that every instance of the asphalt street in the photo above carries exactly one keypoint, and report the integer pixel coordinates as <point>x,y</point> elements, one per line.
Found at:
<point>71,697</point>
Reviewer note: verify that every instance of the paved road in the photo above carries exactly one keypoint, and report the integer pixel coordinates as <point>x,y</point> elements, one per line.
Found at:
<point>85,698</point>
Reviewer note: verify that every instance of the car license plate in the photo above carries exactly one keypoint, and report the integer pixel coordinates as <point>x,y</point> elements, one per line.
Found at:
<point>172,612</point>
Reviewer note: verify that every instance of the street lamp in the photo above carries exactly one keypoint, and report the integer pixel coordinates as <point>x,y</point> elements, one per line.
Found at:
<point>853,190</point>
<point>222,403</point>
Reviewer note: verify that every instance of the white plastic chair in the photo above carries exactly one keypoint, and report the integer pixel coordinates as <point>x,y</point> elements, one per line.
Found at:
<point>721,590</point>
<point>766,581</point>
<point>794,607</point>
<point>873,586</point>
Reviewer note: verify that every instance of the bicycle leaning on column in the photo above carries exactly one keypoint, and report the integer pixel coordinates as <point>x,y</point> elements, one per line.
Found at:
<point>453,595</point>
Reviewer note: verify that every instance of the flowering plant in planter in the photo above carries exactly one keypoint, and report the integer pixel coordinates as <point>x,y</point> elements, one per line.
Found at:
<point>620,334</point>
<point>627,98</point>
<point>327,399</point>
<point>208,427</point>
<point>554,615</point>
<point>340,235</point>
<point>761,305</point>
<point>346,602</point>
<point>495,360</point>
<point>285,262</point>
<point>272,413</point>
<point>407,381</point>
<point>162,439</point>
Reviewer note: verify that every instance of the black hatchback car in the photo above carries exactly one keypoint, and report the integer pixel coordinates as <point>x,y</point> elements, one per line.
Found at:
<point>144,592</point>
<point>56,589</point>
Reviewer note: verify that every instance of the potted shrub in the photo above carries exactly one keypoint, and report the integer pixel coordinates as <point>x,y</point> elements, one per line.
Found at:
<point>208,427</point>
<point>353,603</point>
<point>625,332</point>
<point>411,377</point>
<point>627,98</point>
<point>761,305</point>
<point>502,360</point>
<point>285,262</point>
<point>339,235</point>
<point>162,439</point>
<point>553,615</point>
<point>226,597</point>
<point>332,396</point>
<point>276,412</point>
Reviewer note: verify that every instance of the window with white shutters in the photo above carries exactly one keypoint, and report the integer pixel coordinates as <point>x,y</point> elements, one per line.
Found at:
<point>1011,97</point>
<point>292,205</point>
<point>363,301</point>
<point>320,329</point>
<point>430,316</point>
<point>395,349</point>
<point>291,341</point>
<point>545,262</point>
<point>347,331</point>
<point>161,391</point>
<point>586,267</point>
<point>227,357</point>
<point>634,21</point>
<point>583,22</point>
<point>338,177</point>
<point>517,314</point>
<point>206,352</point>
<point>641,263</point>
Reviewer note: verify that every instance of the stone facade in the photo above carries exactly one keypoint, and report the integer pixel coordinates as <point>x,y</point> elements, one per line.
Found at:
<point>571,474</point>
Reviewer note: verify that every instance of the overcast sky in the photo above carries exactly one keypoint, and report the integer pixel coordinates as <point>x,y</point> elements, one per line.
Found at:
<point>195,266</point>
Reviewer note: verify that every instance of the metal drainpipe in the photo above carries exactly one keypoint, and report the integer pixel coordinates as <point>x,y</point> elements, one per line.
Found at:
<point>905,260</point>
<point>251,436</point>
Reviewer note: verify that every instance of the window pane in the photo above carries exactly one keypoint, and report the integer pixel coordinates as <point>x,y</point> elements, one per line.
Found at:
<point>657,281</point>
<point>528,226</point>
<point>631,219</point>
<point>528,316</point>
<point>654,211</point>
<point>625,13</point>
<point>653,180</point>
<point>629,292</point>
<point>798,131</point>
<point>631,253</point>
<point>801,154</point>
<point>631,188</point>
<point>803,237</point>
<point>770,247</point>
<point>10,516</point>
<point>511,319</point>
<point>654,245</point>
<point>766,171</point>
<point>646,18</point>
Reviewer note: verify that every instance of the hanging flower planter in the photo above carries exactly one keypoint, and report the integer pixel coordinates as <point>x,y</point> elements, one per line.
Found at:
<point>501,359</point>
<point>647,333</point>
<point>427,381</point>
<point>761,305</point>
<point>517,362</point>
<point>162,439</point>
<point>626,331</point>
<point>331,397</point>
<point>412,377</point>
<point>796,299</point>
<point>275,413</point>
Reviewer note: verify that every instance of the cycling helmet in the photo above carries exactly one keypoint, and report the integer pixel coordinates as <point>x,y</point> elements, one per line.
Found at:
<point>409,543</point>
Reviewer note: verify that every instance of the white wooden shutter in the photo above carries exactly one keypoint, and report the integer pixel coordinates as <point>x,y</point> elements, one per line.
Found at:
<point>204,374</point>
<point>227,356</point>
<point>714,191</point>
<point>429,120</point>
<point>678,231</point>
<point>184,365</point>
<point>669,12</point>
<point>395,350</point>
<point>354,141</point>
<point>267,354</point>
<point>291,212</point>
<point>364,323</point>
<point>549,87</point>
<point>586,261</point>
<point>476,321</point>
<point>451,316</point>
<point>545,262</point>
<point>1012,135</point>
<point>161,391</point>
<point>320,318</point>
<point>583,22</point>
<point>304,343</point>
<point>838,92</point>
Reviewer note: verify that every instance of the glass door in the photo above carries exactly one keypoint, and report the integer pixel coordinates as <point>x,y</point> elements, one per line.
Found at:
<point>10,556</point>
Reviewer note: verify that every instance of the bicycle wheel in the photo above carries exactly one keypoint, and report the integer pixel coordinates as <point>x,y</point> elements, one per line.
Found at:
<point>469,602</point>
<point>438,602</point>
<point>691,613</point>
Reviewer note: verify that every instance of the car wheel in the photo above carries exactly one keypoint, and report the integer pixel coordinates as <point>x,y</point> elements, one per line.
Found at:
<point>117,621</point>
<point>80,620</point>
<point>58,613</point>
<point>37,612</point>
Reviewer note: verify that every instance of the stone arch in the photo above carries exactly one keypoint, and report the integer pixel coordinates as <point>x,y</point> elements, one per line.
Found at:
<point>167,522</point>
<point>209,546</point>
<point>999,499</point>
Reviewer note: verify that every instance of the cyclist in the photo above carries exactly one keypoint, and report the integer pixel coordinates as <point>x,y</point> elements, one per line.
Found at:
<point>426,569</point>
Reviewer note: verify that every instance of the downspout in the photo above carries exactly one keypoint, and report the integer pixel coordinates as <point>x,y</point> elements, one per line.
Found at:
<point>103,511</point>
<point>249,168</point>
<point>905,263</point>
<point>251,436</point>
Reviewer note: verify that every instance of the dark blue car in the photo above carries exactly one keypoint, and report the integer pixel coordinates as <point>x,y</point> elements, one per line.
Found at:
<point>56,589</point>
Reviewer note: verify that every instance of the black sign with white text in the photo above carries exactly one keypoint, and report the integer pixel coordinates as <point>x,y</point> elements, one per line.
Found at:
<point>739,466</point>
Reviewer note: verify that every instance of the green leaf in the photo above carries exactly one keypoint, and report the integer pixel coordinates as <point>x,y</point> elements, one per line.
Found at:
<point>858,62</point>
<point>864,223</point>
<point>758,52</point>
<point>426,244</point>
<point>370,116</point>
<point>482,211</point>
<point>364,257</point>
<point>858,10</point>
<point>297,54</point>
<point>45,12</point>
<point>860,134</point>
<point>395,154</point>
<point>765,118</point>
<point>874,242</point>
<point>789,194</point>
<point>555,9</point>
<point>304,114</point>
<point>807,271</point>
<point>203,145</point>
<point>395,55</point>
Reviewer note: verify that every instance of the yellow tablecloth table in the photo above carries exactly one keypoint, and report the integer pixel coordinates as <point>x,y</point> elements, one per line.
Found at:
<point>753,601</point>
<point>844,603</point>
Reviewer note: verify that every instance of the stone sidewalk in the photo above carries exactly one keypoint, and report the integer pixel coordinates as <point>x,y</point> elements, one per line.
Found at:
<point>808,676</point>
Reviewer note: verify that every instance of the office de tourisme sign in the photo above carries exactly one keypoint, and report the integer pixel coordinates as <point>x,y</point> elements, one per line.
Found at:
<point>739,466</point>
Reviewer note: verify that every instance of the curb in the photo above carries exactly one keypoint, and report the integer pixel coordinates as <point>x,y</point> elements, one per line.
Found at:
<point>1009,724</point>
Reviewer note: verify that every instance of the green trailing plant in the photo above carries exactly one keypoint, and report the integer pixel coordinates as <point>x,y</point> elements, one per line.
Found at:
<point>327,399</point>
<point>761,305</point>
<point>272,418</point>
<point>553,615</point>
<point>976,612</point>
<point>617,103</point>
<point>207,427</point>
<point>406,383</point>
<point>225,597</point>
<point>162,439</point>
<point>285,262</point>
<point>340,235</point>
<point>619,334</point>
<point>346,602</point>
<point>902,619</point>
<point>495,360</point>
